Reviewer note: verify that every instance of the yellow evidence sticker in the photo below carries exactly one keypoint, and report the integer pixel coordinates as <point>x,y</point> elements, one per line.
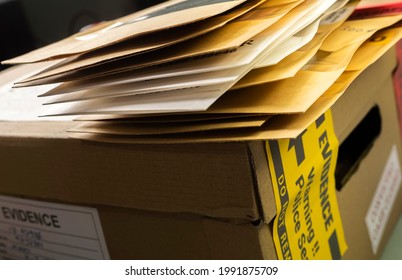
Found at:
<point>308,224</point>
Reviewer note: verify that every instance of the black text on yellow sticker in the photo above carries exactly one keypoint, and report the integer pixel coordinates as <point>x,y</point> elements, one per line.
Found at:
<point>308,223</point>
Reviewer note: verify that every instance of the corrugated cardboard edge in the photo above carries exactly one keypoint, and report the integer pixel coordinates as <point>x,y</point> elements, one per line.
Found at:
<point>262,177</point>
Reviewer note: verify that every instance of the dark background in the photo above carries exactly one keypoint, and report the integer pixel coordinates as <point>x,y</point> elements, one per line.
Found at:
<point>29,24</point>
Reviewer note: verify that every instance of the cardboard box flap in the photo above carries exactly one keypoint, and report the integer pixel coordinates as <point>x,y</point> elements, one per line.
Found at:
<point>215,180</point>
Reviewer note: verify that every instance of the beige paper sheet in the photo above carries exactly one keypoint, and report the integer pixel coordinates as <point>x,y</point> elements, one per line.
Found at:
<point>129,128</point>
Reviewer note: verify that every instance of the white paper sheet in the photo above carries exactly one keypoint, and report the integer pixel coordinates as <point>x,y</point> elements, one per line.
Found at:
<point>146,87</point>
<point>193,99</point>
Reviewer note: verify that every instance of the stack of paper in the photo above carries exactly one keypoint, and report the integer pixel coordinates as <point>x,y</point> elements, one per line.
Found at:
<point>212,70</point>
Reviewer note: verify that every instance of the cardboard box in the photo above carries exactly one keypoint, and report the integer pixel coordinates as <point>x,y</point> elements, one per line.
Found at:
<point>356,197</point>
<point>193,201</point>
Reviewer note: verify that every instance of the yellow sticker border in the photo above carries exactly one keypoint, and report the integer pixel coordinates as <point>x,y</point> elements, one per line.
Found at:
<point>327,240</point>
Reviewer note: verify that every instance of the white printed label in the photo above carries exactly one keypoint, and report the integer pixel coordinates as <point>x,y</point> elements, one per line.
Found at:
<point>31,229</point>
<point>383,200</point>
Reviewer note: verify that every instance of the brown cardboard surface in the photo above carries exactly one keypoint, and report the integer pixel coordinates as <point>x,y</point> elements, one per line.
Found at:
<point>182,237</point>
<point>218,189</point>
<point>175,179</point>
<point>355,198</point>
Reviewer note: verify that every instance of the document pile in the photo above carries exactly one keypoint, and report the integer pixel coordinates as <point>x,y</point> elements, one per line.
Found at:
<point>212,70</point>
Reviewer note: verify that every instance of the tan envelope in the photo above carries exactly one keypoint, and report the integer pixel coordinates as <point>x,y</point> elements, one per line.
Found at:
<point>374,48</point>
<point>161,118</point>
<point>353,30</point>
<point>196,99</point>
<point>166,15</point>
<point>280,126</point>
<point>292,95</point>
<point>129,128</point>
<point>229,36</point>
<point>159,39</point>
<point>290,65</point>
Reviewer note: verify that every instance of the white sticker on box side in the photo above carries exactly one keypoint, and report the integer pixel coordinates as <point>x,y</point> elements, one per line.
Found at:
<point>31,229</point>
<point>383,200</point>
